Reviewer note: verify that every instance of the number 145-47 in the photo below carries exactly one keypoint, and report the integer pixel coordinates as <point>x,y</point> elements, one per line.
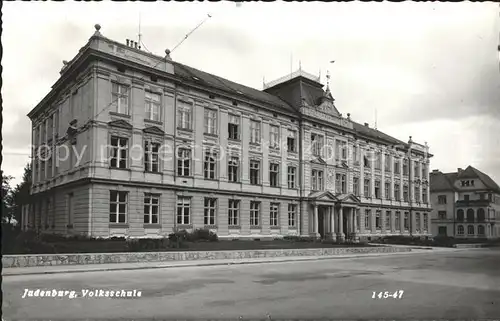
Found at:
<point>387,294</point>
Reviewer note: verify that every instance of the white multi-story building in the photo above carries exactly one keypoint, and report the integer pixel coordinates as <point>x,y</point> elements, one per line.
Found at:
<point>132,144</point>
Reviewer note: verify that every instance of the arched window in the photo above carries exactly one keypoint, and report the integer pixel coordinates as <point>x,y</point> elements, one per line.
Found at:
<point>460,230</point>
<point>470,215</point>
<point>470,230</point>
<point>480,215</point>
<point>480,230</point>
<point>460,215</point>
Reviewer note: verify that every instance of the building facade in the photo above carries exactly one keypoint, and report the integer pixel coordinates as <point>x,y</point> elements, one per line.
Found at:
<point>465,204</point>
<point>132,144</point>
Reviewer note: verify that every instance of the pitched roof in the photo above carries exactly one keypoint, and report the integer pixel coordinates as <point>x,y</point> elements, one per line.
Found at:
<point>373,133</point>
<point>474,172</point>
<point>442,182</point>
<point>204,78</point>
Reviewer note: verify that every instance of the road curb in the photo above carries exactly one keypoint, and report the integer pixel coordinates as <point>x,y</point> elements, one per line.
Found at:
<point>296,259</point>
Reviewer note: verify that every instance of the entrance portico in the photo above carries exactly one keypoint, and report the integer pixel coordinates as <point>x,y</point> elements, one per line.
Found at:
<point>333,216</point>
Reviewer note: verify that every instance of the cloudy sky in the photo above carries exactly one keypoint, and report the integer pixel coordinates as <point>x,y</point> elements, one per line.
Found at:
<point>429,70</point>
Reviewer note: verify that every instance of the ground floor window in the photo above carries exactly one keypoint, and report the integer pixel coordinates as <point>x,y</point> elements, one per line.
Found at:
<point>397,221</point>
<point>470,230</point>
<point>183,210</point>
<point>151,208</point>
<point>254,214</point>
<point>233,213</point>
<point>117,207</point>
<point>480,230</point>
<point>274,214</point>
<point>407,222</point>
<point>292,215</point>
<point>442,231</point>
<point>460,230</point>
<point>210,208</point>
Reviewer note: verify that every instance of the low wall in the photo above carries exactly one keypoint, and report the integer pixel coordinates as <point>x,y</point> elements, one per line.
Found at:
<point>470,246</point>
<point>11,261</point>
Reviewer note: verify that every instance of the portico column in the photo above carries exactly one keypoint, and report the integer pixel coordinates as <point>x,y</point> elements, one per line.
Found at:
<point>332,221</point>
<point>354,221</point>
<point>340,236</point>
<point>315,220</point>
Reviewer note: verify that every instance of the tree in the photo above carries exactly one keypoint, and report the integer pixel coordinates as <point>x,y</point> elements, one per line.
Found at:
<point>6,198</point>
<point>21,194</point>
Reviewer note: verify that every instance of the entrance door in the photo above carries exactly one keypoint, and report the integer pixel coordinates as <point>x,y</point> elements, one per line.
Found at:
<point>321,222</point>
<point>344,224</point>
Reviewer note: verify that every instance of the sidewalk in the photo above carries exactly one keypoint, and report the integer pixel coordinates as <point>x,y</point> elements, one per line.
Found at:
<point>194,263</point>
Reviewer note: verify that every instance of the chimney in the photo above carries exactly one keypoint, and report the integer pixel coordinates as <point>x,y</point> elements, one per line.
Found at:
<point>128,42</point>
<point>135,44</point>
<point>459,170</point>
<point>435,170</point>
<point>366,124</point>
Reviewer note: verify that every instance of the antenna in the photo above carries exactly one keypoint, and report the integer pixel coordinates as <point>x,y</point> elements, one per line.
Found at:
<point>139,35</point>
<point>208,17</point>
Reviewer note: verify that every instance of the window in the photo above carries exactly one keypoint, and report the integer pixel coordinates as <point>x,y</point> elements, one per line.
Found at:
<point>482,196</point>
<point>378,160</point>
<point>367,188</point>
<point>441,199</point>
<point>416,170</point>
<point>460,215</point>
<point>405,193</point>
<point>397,221</point>
<point>426,222</point>
<point>355,184</point>
<point>417,222</point>
<point>424,171</point>
<point>355,155</point>
<point>424,194</point>
<point>254,214</point>
<point>470,230</point>
<point>49,167</point>
<point>274,170</point>
<point>466,197</point>
<point>210,208</point>
<point>234,208</point>
<point>405,167</point>
<point>480,230</point>
<point>119,98</point>
<point>291,141</point>
<point>151,209</point>
<point>387,190</point>
<point>254,172</point>
<point>317,144</point>
<point>388,220</point>
<point>151,156</point>
<point>397,166</point>
<point>292,215</point>
<point>378,225</point>
<point>209,166</point>
<point>377,189</point>
<point>291,176</point>
<point>210,121</point>
<point>367,220</point>
<point>317,180</point>
<point>234,127</point>
<point>341,152</point>
<point>442,231</point>
<point>480,215</point>
<point>340,183</point>
<point>112,209</point>
<point>184,162</point>
<point>442,215</point>
<point>183,210</point>
<point>397,192</point>
<point>274,137</point>
<point>417,194</point>
<point>233,169</point>
<point>470,215</point>
<point>460,230</point>
<point>184,114</point>
<point>387,163</point>
<point>274,214</point>
<point>254,132</point>
<point>407,222</point>
<point>153,106</point>
<point>42,170</point>
<point>117,207</point>
<point>119,152</point>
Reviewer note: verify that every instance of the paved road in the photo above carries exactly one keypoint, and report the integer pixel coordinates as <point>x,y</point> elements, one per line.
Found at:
<point>450,285</point>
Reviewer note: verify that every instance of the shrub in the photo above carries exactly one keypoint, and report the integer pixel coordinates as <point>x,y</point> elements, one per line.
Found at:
<point>202,235</point>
